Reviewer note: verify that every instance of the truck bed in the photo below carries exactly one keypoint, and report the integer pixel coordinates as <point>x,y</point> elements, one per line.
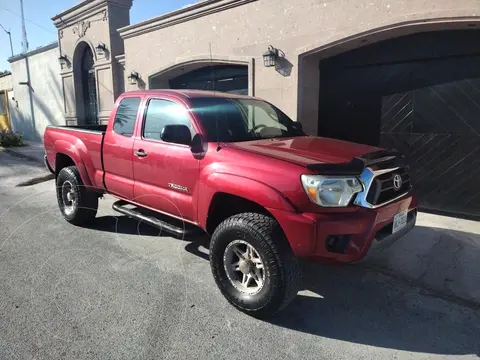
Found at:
<point>92,128</point>
<point>87,141</point>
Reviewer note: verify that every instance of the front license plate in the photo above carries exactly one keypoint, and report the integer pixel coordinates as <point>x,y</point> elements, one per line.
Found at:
<point>399,221</point>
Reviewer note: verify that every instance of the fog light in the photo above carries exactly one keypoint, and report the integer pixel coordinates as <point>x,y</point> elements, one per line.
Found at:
<point>337,243</point>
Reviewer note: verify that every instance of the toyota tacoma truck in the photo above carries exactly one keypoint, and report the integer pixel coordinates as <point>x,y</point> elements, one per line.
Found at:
<point>240,170</point>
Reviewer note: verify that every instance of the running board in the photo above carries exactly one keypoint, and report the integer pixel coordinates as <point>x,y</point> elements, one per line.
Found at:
<point>186,229</point>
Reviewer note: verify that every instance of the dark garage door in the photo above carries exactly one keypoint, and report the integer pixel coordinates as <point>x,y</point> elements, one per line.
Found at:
<point>419,94</point>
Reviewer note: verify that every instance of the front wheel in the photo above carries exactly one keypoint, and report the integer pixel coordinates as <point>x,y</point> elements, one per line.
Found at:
<point>253,264</point>
<point>77,204</point>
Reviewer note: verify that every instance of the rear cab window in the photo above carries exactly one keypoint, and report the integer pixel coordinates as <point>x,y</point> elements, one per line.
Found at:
<point>126,116</point>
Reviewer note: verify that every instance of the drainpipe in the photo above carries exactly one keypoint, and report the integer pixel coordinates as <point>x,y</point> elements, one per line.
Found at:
<point>30,97</point>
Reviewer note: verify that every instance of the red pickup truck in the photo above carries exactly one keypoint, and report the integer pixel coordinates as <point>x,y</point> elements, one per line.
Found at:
<point>238,169</point>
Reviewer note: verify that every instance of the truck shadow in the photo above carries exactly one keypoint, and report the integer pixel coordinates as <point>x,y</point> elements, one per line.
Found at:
<point>125,225</point>
<point>355,304</point>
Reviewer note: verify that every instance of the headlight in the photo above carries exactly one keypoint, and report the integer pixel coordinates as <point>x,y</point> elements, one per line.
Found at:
<point>331,191</point>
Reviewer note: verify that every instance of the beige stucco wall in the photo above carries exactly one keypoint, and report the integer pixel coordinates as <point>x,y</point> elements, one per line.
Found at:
<point>239,31</point>
<point>6,82</point>
<point>295,27</point>
<point>88,24</point>
<point>38,103</point>
<point>69,38</point>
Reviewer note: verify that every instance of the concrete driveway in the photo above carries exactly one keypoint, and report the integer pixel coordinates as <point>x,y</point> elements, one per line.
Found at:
<point>122,290</point>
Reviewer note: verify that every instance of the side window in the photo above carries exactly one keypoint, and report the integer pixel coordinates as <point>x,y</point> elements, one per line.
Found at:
<point>126,115</point>
<point>161,113</point>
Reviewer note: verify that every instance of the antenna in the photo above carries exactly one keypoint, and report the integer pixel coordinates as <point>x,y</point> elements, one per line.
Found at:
<point>211,66</point>
<point>213,87</point>
<point>10,36</point>
<point>24,29</point>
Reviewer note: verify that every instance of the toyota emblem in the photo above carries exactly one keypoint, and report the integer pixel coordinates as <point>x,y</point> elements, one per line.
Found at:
<point>397,182</point>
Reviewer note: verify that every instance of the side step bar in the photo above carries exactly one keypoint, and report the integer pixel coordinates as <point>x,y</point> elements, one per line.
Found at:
<point>186,229</point>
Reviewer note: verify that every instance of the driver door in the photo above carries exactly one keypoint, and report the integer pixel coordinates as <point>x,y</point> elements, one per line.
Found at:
<point>166,174</point>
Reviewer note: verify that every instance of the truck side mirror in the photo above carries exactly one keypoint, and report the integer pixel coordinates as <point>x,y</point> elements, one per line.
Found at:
<point>178,134</point>
<point>298,125</point>
<point>197,145</point>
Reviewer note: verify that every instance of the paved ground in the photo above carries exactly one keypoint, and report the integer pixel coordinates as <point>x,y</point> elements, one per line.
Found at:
<point>109,293</point>
<point>32,149</point>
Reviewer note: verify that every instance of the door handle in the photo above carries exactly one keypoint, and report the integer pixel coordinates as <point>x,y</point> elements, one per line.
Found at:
<point>140,153</point>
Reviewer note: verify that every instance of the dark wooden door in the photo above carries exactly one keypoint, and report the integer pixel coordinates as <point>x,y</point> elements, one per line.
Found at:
<point>425,103</point>
<point>89,87</point>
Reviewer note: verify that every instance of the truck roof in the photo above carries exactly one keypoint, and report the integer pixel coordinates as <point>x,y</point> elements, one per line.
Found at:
<point>187,93</point>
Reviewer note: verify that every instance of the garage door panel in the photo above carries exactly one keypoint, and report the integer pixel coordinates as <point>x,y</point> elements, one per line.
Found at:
<point>405,143</point>
<point>444,168</point>
<point>438,71</point>
<point>463,180</point>
<point>439,44</point>
<point>397,117</point>
<point>472,85</point>
<point>431,114</point>
<point>443,165</point>
<point>457,194</point>
<point>392,102</point>
<point>430,165</point>
<point>421,93</point>
<point>467,86</point>
<point>460,108</point>
<point>423,156</point>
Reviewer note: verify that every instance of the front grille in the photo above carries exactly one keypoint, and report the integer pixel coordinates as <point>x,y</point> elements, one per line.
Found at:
<point>382,188</point>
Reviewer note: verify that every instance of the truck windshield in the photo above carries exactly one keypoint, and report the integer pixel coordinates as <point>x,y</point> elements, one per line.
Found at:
<point>230,120</point>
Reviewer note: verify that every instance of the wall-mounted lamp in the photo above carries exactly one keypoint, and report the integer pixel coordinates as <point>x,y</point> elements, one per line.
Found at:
<point>101,48</point>
<point>63,60</point>
<point>133,78</point>
<point>270,56</point>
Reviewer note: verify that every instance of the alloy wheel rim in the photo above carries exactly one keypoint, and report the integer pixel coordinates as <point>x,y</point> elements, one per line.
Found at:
<point>69,197</point>
<point>244,267</point>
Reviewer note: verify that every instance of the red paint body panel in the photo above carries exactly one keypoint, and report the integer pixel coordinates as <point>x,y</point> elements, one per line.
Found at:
<point>84,148</point>
<point>172,180</point>
<point>306,150</point>
<point>229,178</point>
<point>118,158</point>
<point>307,232</point>
<point>166,164</point>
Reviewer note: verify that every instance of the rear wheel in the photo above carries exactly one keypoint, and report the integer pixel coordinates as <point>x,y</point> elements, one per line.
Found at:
<point>77,204</point>
<point>253,264</point>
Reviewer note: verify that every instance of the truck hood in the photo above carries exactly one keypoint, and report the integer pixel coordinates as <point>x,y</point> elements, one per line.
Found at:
<point>306,150</point>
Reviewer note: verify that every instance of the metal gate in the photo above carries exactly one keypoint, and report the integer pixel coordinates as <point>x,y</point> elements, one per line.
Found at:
<point>424,102</point>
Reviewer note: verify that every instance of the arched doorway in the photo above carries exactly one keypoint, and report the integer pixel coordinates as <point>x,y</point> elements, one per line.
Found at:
<point>89,87</point>
<point>219,77</point>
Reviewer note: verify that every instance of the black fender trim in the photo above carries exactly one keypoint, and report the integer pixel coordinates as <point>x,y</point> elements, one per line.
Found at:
<point>47,165</point>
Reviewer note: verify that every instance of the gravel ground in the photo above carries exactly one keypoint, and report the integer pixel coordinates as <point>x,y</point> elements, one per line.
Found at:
<point>122,290</point>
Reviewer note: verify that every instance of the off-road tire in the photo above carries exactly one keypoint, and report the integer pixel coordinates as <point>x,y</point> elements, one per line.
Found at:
<point>282,271</point>
<point>85,205</point>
